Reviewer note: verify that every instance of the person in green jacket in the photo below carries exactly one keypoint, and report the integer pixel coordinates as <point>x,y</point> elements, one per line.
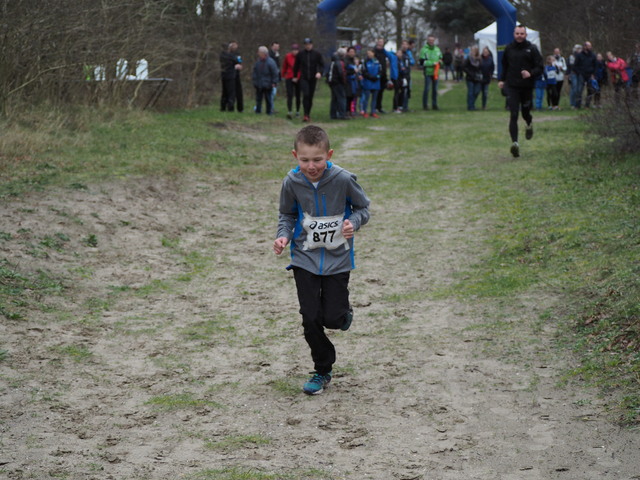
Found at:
<point>430,56</point>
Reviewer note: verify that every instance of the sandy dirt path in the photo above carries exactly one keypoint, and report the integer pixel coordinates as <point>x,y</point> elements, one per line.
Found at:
<point>175,350</point>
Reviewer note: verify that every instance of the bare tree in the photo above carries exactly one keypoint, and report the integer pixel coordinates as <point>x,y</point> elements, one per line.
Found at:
<point>611,25</point>
<point>56,50</point>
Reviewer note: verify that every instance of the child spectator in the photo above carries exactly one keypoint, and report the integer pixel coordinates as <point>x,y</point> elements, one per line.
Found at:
<point>551,72</point>
<point>321,206</point>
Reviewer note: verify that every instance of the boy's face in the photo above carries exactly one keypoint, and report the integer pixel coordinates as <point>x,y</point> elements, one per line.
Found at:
<point>312,160</point>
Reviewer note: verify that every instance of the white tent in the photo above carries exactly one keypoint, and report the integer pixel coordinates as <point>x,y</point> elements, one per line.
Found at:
<point>488,37</point>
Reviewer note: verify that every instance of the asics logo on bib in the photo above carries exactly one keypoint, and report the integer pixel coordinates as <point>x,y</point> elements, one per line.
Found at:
<point>324,225</point>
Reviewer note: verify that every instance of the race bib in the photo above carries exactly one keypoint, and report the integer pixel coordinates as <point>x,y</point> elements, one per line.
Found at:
<point>323,232</point>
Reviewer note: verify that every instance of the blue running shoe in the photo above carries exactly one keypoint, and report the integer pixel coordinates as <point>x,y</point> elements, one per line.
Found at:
<point>348,318</point>
<point>316,384</point>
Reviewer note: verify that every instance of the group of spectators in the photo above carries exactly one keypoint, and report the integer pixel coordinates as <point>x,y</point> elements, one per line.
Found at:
<point>359,78</point>
<point>588,73</point>
<point>301,69</point>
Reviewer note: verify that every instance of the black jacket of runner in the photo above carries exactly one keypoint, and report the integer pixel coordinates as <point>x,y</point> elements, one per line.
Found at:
<point>518,57</point>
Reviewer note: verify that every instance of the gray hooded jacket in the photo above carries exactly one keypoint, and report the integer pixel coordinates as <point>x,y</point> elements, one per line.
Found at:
<point>311,217</point>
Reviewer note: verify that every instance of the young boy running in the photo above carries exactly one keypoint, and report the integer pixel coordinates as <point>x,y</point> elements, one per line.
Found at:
<point>321,206</point>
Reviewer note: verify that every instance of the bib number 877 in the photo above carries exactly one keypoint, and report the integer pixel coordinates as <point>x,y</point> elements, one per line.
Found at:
<point>326,236</point>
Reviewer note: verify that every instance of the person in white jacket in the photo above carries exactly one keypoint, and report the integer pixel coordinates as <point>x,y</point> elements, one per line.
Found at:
<point>561,65</point>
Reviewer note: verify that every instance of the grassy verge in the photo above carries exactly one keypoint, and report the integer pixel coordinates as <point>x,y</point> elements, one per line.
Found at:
<point>562,220</point>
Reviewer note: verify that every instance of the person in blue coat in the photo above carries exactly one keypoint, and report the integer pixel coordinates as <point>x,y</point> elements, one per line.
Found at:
<point>265,77</point>
<point>370,79</point>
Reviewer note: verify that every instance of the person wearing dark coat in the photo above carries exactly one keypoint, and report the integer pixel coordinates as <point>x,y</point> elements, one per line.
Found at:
<point>274,53</point>
<point>381,55</point>
<point>487,66</point>
<point>521,65</point>
<point>310,66</point>
<point>473,72</point>
<point>585,68</point>
<point>337,79</point>
<point>231,66</point>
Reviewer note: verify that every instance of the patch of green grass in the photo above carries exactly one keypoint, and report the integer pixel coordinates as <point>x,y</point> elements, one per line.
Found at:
<point>96,305</point>
<point>236,442</point>
<point>173,362</point>
<point>21,291</point>
<point>171,243</point>
<point>239,473</point>
<point>180,401</point>
<point>405,296</point>
<point>91,240</point>
<point>154,286</point>
<point>78,353</point>
<point>208,330</point>
<point>218,387</point>
<point>287,386</point>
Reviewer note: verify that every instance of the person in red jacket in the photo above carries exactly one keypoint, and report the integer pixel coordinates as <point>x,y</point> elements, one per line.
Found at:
<point>293,88</point>
<point>619,76</point>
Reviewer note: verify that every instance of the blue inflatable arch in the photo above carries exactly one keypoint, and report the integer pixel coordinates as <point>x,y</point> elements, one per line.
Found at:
<point>502,10</point>
<point>505,15</point>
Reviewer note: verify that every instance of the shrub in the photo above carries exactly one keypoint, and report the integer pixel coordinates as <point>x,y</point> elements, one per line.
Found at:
<point>618,121</point>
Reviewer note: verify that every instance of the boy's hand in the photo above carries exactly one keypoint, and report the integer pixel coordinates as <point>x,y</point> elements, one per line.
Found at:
<point>347,229</point>
<point>279,244</point>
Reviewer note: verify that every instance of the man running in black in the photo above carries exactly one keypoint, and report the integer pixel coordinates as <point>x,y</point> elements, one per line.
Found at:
<point>521,65</point>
